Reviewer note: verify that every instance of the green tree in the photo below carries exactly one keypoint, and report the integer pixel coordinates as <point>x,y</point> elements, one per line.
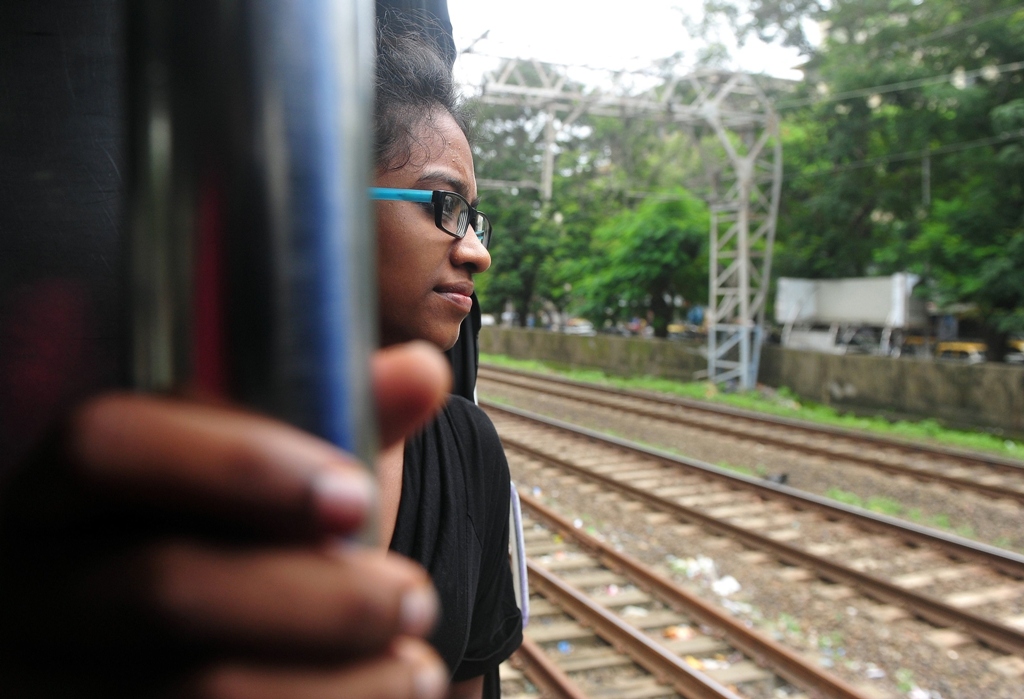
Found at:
<point>504,150</point>
<point>642,259</point>
<point>603,166</point>
<point>860,195</point>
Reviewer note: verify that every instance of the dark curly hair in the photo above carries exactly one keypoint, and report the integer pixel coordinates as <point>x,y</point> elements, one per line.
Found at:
<point>414,81</point>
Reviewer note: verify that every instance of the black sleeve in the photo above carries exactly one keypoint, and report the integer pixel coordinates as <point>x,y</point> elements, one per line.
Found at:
<point>496,627</point>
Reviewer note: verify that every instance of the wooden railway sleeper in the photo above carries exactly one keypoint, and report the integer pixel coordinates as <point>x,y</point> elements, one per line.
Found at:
<point>755,646</point>
<point>645,652</point>
<point>996,635</point>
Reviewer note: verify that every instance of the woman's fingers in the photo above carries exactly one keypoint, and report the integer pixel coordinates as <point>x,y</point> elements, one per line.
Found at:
<point>326,604</point>
<point>411,383</point>
<point>411,670</point>
<point>88,569</point>
<point>236,465</point>
<point>216,461</point>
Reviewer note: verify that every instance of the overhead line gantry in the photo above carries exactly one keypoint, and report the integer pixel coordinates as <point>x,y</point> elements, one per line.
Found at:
<point>744,190</point>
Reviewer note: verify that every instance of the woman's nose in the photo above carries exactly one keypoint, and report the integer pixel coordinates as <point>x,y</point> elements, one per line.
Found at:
<point>471,251</point>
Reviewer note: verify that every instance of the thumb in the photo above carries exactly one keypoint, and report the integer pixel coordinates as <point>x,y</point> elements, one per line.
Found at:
<point>410,383</point>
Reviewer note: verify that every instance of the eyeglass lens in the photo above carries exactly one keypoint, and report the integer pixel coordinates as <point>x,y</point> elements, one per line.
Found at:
<point>455,219</point>
<point>482,228</point>
<point>454,215</point>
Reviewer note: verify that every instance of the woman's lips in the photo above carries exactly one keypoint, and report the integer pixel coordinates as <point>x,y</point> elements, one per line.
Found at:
<point>457,293</point>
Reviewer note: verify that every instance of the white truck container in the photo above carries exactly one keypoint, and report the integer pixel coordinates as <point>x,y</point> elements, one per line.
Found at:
<point>828,315</point>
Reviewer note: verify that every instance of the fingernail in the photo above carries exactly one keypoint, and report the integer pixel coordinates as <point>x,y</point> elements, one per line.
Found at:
<point>342,498</point>
<point>430,680</point>
<point>418,611</point>
<point>429,675</point>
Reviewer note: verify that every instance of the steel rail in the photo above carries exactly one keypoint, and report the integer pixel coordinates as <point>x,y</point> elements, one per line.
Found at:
<point>665,665</point>
<point>996,635</point>
<point>754,645</point>
<point>955,482</point>
<point>958,547</point>
<point>1000,464</point>
<point>546,675</point>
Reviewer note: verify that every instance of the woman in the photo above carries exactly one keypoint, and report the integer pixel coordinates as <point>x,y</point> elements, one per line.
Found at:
<point>444,493</point>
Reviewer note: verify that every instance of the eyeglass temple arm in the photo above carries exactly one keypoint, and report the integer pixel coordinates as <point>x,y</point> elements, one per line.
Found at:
<point>391,194</point>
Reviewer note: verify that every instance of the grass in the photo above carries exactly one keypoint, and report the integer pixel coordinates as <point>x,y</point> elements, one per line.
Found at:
<point>1002,542</point>
<point>905,680</point>
<point>789,624</point>
<point>745,470</point>
<point>831,640</point>
<point>888,506</point>
<point>781,402</point>
<point>885,506</point>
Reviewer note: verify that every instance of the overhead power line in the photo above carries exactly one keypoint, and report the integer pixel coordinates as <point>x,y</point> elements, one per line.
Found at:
<point>918,154</point>
<point>959,26</point>
<point>988,73</point>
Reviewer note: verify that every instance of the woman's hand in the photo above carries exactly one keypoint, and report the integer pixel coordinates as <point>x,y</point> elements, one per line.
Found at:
<point>164,546</point>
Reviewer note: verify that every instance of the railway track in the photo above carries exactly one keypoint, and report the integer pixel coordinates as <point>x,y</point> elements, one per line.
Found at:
<point>954,584</point>
<point>987,475</point>
<point>594,608</point>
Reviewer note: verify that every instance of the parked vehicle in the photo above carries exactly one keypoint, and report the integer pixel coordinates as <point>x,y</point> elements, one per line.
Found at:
<point>1015,351</point>
<point>964,352</point>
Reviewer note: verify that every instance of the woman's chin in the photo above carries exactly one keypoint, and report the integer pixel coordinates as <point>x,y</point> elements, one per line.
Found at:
<point>450,340</point>
<point>442,339</point>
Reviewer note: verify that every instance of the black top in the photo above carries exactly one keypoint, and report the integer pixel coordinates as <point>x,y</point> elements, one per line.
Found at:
<point>464,356</point>
<point>453,519</point>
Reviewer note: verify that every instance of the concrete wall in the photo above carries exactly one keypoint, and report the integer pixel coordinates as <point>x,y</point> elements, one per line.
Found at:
<point>986,395</point>
<point>619,356</point>
<point>983,395</point>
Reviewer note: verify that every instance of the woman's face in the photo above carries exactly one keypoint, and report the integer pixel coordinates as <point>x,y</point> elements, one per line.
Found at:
<point>424,275</point>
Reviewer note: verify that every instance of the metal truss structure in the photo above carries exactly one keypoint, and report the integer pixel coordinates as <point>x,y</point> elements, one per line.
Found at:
<point>743,163</point>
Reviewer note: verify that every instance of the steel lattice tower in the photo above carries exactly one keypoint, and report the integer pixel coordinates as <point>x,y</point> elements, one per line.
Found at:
<point>745,185</point>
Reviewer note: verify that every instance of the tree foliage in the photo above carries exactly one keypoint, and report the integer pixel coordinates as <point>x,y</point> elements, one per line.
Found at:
<point>643,260</point>
<point>903,151</point>
<point>782,21</point>
<point>923,175</point>
<point>605,168</point>
<point>504,150</point>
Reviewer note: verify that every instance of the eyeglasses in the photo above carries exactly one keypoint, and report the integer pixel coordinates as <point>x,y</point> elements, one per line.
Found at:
<point>452,213</point>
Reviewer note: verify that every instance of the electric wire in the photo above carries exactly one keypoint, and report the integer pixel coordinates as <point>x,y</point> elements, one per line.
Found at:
<point>987,72</point>
<point>959,78</point>
<point>954,28</point>
<point>916,155</point>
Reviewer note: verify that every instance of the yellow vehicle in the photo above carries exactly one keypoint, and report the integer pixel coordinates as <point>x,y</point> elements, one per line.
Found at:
<point>966,352</point>
<point>1015,351</point>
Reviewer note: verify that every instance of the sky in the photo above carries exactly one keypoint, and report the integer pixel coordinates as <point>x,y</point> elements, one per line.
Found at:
<point>628,34</point>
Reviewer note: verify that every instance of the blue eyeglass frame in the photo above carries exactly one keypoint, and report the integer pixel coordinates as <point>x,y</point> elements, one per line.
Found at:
<point>436,197</point>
